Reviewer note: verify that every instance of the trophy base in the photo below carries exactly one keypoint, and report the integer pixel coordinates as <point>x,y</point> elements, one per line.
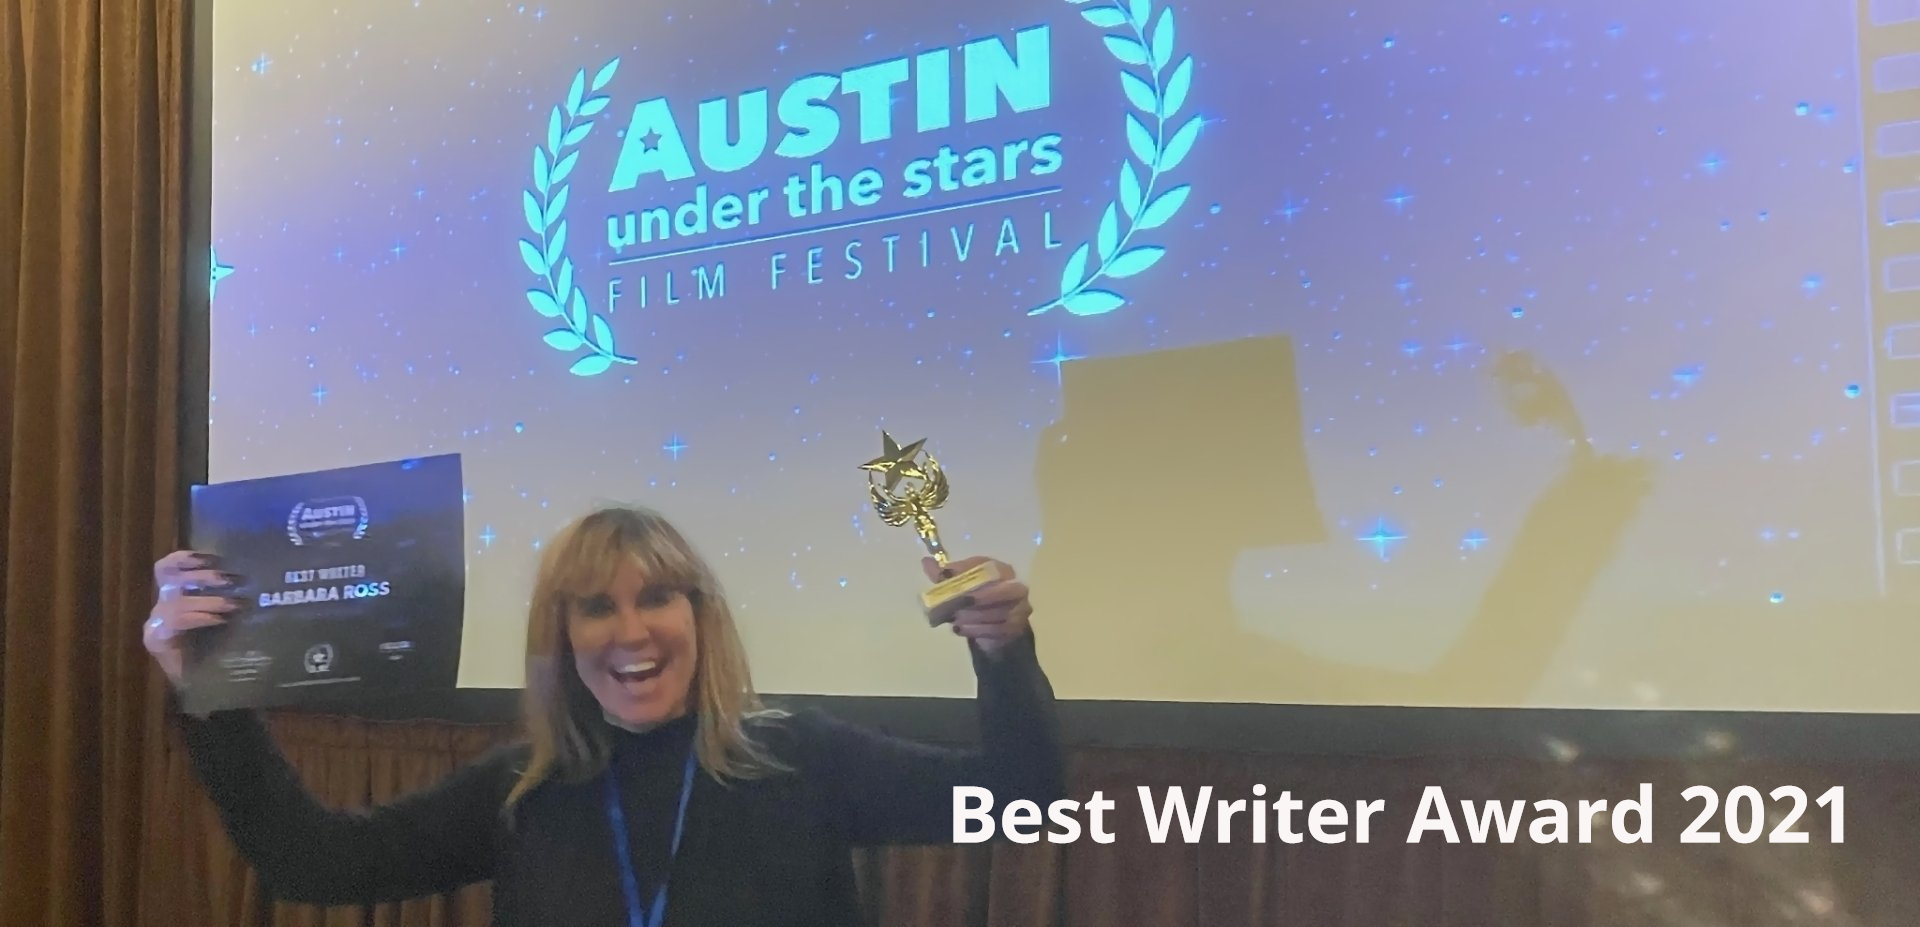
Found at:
<point>950,595</point>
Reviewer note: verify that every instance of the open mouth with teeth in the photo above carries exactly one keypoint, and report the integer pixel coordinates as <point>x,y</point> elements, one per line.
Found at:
<point>637,673</point>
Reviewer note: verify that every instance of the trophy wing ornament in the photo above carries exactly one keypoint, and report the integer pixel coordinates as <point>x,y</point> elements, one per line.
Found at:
<point>894,512</point>
<point>933,485</point>
<point>906,485</point>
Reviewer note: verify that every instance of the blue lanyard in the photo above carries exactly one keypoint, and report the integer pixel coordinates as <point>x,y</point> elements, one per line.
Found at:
<point>630,882</point>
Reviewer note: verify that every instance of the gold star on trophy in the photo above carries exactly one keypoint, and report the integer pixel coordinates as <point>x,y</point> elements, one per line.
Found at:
<point>896,462</point>
<point>924,491</point>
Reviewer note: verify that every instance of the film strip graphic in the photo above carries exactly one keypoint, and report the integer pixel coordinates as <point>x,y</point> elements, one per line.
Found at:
<point>1889,54</point>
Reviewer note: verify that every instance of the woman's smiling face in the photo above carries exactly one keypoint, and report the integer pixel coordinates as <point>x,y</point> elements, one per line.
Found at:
<point>634,645</point>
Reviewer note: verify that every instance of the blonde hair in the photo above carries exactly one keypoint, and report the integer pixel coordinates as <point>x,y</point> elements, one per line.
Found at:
<point>561,715</point>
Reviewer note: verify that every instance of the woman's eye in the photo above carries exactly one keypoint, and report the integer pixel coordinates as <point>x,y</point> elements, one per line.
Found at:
<point>596,606</point>
<point>657,597</point>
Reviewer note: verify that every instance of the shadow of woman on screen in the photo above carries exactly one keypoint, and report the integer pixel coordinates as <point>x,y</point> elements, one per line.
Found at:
<point>1167,466</point>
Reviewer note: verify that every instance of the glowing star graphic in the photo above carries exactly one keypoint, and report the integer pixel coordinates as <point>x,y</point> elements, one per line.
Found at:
<point>1382,538</point>
<point>220,272</point>
<point>896,462</point>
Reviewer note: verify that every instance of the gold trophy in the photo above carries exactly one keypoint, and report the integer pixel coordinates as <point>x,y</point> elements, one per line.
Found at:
<point>906,485</point>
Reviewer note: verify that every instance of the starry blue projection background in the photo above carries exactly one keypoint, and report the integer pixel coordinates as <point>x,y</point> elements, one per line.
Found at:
<point>1404,352</point>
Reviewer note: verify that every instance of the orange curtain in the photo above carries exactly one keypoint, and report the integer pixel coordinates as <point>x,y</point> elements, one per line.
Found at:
<point>93,163</point>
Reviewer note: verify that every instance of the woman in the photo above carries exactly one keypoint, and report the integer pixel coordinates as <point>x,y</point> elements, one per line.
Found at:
<point>651,779</point>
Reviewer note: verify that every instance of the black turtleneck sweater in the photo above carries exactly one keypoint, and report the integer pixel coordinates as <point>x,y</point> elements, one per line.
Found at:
<point>770,852</point>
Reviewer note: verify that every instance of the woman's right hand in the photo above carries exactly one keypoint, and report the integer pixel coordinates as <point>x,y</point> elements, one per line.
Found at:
<point>190,596</point>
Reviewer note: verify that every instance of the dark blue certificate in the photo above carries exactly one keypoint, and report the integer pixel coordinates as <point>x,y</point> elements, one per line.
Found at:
<point>353,585</point>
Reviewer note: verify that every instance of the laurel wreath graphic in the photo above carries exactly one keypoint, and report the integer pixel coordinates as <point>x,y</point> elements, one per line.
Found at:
<point>546,206</point>
<point>1145,42</point>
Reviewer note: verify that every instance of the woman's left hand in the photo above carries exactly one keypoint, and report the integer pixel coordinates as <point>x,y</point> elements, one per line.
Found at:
<point>998,614</point>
